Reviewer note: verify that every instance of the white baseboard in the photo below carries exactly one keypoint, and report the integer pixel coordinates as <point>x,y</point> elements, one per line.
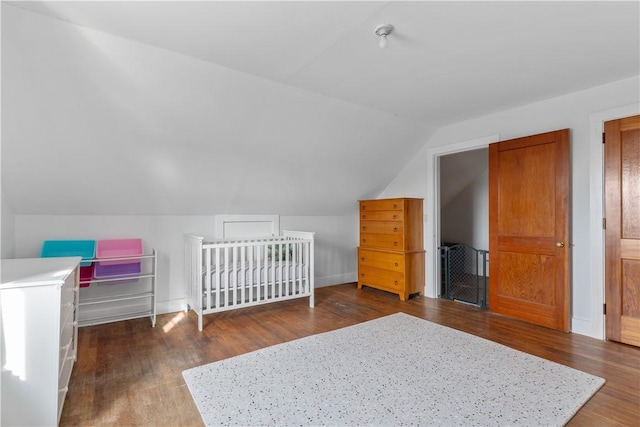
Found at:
<point>582,327</point>
<point>171,306</point>
<point>338,279</point>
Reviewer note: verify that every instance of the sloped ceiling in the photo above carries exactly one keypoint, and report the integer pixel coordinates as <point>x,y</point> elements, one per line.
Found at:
<point>270,107</point>
<point>459,170</point>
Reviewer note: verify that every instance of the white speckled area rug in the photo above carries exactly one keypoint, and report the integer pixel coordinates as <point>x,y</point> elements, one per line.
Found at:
<point>395,370</point>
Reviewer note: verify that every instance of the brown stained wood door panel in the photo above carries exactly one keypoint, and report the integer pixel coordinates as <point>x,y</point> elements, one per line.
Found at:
<point>622,235</point>
<point>529,244</point>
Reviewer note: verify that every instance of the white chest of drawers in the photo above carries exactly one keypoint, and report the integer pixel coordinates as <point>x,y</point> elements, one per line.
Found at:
<point>39,302</point>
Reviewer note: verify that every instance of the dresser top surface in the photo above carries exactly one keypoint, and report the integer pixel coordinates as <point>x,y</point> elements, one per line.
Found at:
<point>26,272</point>
<point>390,198</point>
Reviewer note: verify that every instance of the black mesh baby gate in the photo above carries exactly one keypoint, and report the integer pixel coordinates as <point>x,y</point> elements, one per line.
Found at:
<point>464,274</point>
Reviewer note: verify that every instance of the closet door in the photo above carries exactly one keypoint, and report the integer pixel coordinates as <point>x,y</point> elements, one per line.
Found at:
<point>622,235</point>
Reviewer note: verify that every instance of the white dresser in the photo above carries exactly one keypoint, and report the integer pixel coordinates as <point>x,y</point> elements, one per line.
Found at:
<point>39,301</point>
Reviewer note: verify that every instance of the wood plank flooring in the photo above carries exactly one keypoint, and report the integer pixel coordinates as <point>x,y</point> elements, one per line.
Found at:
<point>129,374</point>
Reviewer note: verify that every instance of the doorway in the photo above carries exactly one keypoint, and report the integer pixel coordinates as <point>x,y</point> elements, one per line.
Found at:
<point>464,226</point>
<point>432,213</point>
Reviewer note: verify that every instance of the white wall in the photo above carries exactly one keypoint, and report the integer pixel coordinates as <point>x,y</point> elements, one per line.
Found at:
<point>7,227</point>
<point>465,219</point>
<point>336,240</point>
<point>570,111</point>
<point>335,256</point>
<point>145,131</point>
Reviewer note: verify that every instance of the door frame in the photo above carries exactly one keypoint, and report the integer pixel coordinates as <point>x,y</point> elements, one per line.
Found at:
<point>432,205</point>
<point>595,327</point>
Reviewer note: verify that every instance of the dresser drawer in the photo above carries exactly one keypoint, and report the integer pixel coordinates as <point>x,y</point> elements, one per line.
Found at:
<point>63,382</point>
<point>382,227</point>
<point>380,278</point>
<point>381,216</point>
<point>382,260</point>
<point>68,287</point>
<point>382,205</point>
<point>66,345</point>
<point>66,314</point>
<point>66,307</point>
<point>383,241</point>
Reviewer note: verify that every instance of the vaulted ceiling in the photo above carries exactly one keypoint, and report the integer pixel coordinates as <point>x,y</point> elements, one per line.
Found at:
<point>177,107</point>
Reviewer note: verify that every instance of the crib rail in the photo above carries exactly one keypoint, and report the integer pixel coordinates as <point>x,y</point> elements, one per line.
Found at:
<point>230,274</point>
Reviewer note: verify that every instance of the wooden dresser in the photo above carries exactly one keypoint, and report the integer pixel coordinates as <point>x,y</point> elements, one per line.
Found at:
<point>391,252</point>
<point>39,301</point>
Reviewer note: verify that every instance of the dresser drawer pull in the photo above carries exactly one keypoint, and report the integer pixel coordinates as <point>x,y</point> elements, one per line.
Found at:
<point>364,217</point>
<point>364,228</point>
<point>395,282</point>
<point>394,217</point>
<point>364,240</point>
<point>395,206</point>
<point>396,264</point>
<point>395,229</point>
<point>361,274</point>
<point>364,207</point>
<point>395,243</point>
<point>362,259</point>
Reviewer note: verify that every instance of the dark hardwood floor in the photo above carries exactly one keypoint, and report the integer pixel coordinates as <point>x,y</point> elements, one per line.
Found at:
<point>131,374</point>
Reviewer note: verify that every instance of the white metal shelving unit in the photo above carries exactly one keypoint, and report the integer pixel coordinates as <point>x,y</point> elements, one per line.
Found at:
<point>122,296</point>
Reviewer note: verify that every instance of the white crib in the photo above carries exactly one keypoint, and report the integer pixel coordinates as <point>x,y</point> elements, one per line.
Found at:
<point>230,274</point>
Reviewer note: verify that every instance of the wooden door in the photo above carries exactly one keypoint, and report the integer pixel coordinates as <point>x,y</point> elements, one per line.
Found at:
<point>529,217</point>
<point>622,235</point>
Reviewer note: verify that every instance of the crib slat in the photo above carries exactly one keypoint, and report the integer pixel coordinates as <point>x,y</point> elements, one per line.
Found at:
<point>208,277</point>
<point>287,265</point>
<point>251,250</point>
<point>236,274</point>
<point>218,274</point>
<point>301,272</point>
<point>272,277</point>
<point>294,268</point>
<point>243,271</point>
<point>299,267</point>
<point>258,274</point>
<point>303,268</point>
<point>278,272</point>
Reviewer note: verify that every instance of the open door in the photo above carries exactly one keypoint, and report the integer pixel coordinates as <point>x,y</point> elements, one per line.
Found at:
<point>529,218</point>
<point>622,235</point>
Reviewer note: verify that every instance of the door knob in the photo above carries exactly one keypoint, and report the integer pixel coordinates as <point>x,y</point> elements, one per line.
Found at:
<point>560,244</point>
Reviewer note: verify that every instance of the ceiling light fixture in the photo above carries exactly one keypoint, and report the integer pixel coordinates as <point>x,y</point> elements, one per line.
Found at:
<point>383,31</point>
